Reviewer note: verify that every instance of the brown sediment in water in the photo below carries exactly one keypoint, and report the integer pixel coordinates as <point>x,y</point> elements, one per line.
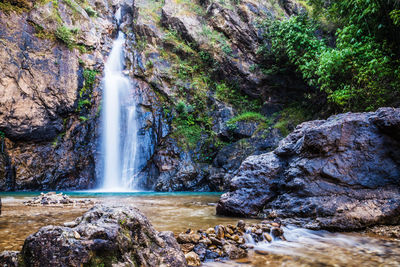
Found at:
<point>177,213</point>
<point>167,213</point>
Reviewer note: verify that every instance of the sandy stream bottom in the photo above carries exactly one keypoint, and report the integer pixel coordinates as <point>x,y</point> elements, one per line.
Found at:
<point>178,212</point>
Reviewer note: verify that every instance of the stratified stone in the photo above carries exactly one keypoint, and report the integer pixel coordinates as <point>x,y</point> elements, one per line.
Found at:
<point>340,173</point>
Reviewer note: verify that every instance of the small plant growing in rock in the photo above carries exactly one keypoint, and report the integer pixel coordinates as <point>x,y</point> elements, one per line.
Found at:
<point>181,107</point>
<point>66,35</point>
<point>91,13</point>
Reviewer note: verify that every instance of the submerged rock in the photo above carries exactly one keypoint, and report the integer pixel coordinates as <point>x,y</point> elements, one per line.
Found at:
<point>104,235</point>
<point>341,173</point>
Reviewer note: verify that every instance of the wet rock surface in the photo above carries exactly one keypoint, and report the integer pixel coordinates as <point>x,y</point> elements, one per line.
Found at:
<point>104,235</point>
<point>341,173</point>
<point>391,231</point>
<point>9,258</point>
<point>54,199</point>
<point>228,242</point>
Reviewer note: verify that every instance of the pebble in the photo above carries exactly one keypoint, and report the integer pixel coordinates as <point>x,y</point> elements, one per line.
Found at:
<point>241,225</point>
<point>210,231</point>
<point>267,237</point>
<point>274,224</point>
<point>261,252</point>
<point>187,247</point>
<point>188,238</point>
<point>77,235</point>
<point>222,242</point>
<point>192,259</point>
<point>277,232</point>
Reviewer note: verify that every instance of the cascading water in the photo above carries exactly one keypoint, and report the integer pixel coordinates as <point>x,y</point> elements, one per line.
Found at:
<point>119,130</point>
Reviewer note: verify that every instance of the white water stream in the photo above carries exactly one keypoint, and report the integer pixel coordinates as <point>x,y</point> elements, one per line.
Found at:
<point>119,127</point>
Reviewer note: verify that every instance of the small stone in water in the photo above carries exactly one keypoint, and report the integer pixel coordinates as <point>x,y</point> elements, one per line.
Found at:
<point>220,229</point>
<point>206,241</point>
<point>187,247</point>
<point>235,237</point>
<point>261,252</point>
<point>216,241</point>
<point>277,232</point>
<point>70,224</point>
<point>267,237</point>
<point>241,224</point>
<point>188,238</point>
<point>229,230</point>
<point>210,231</point>
<point>77,235</point>
<point>192,259</point>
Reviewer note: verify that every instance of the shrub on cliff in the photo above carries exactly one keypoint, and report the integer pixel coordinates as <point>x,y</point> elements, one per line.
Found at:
<point>362,71</point>
<point>65,35</point>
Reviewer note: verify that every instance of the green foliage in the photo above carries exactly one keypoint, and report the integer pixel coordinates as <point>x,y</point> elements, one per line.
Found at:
<point>181,107</point>
<point>289,118</point>
<point>149,64</point>
<point>83,118</point>
<point>242,103</point>
<point>2,134</point>
<point>395,16</point>
<point>91,13</point>
<point>85,94</point>
<point>362,72</point>
<point>17,6</point>
<point>187,127</point>
<point>66,35</point>
<point>246,116</point>
<point>216,39</point>
<point>90,78</point>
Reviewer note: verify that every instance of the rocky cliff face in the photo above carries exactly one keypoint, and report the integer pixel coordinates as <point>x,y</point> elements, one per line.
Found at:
<point>193,66</point>
<point>340,173</point>
<point>52,56</point>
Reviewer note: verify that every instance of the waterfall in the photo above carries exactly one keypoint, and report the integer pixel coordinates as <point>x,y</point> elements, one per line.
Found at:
<point>119,130</point>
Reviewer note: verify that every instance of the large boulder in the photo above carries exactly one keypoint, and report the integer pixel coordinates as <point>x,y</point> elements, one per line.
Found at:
<point>341,173</point>
<point>103,236</point>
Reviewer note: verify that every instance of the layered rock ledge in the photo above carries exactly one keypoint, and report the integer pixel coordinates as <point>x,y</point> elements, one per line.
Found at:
<point>342,173</point>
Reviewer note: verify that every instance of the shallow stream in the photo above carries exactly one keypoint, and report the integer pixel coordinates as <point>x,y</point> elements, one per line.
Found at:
<point>179,211</point>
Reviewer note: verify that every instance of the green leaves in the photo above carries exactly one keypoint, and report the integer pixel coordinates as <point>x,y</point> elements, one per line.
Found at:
<point>362,71</point>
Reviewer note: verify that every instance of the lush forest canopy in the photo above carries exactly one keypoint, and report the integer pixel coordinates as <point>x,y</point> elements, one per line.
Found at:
<point>348,50</point>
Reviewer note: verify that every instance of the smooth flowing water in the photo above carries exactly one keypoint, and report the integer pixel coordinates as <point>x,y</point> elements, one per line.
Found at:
<point>179,211</point>
<point>119,127</point>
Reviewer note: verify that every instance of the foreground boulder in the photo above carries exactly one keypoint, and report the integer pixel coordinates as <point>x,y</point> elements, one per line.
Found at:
<point>103,236</point>
<point>342,173</point>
